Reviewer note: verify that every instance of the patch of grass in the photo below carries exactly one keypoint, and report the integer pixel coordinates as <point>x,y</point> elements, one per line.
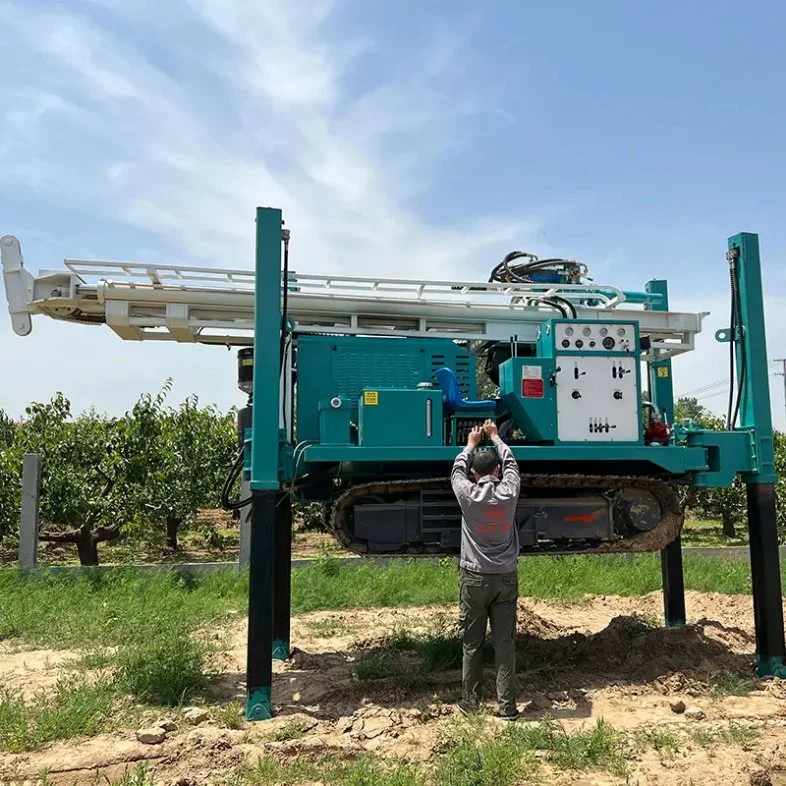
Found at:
<point>733,734</point>
<point>364,771</point>
<point>664,741</point>
<point>728,683</point>
<point>379,664</point>
<point>167,669</point>
<point>104,609</point>
<point>141,775</point>
<point>75,708</point>
<point>474,761</point>
<point>98,609</point>
<point>293,729</point>
<point>601,747</point>
<point>709,533</point>
<point>230,716</point>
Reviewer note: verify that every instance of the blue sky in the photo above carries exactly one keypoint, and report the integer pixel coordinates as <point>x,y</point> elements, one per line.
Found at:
<point>421,139</point>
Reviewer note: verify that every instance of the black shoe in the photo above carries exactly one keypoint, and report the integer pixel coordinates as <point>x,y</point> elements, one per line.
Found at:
<point>465,709</point>
<point>514,716</point>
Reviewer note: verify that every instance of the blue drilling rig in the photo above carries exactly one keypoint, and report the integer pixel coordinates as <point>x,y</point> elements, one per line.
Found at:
<point>362,391</point>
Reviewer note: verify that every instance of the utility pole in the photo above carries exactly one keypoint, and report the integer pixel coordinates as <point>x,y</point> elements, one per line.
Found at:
<point>782,361</point>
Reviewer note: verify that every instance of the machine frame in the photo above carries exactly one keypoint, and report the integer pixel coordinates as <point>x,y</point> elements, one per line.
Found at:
<point>271,307</point>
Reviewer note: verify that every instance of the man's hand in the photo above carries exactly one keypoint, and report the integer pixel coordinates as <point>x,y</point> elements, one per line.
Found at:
<point>490,427</point>
<point>474,438</point>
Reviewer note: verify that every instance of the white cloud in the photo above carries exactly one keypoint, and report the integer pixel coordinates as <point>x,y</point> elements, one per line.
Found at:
<point>180,122</point>
<point>178,118</point>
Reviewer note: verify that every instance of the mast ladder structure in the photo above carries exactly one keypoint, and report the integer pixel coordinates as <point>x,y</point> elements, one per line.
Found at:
<point>152,302</point>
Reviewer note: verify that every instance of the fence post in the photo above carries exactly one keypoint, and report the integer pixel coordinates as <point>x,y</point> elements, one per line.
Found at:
<point>31,492</point>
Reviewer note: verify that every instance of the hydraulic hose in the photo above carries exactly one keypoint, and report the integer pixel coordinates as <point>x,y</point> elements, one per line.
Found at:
<point>233,475</point>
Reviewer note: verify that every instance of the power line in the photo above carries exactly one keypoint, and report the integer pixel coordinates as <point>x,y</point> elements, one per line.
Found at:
<point>705,388</point>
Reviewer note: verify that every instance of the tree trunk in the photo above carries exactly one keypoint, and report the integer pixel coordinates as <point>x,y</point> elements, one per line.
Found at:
<point>87,546</point>
<point>86,540</point>
<point>728,526</point>
<point>172,526</point>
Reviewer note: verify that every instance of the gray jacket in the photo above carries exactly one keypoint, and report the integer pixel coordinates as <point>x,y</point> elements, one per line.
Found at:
<point>489,536</point>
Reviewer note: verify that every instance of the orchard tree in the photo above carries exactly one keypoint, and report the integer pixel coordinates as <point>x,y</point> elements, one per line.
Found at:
<point>178,460</point>
<point>83,493</point>
<point>10,475</point>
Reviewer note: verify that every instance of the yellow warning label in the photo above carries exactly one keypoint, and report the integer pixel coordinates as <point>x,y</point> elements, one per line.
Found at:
<point>371,398</point>
<point>247,362</point>
<point>663,372</point>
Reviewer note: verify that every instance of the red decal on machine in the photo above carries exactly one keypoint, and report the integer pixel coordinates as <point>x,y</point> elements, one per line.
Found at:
<point>532,388</point>
<point>583,518</point>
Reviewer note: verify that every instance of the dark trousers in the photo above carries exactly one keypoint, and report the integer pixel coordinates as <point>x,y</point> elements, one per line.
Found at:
<point>492,598</point>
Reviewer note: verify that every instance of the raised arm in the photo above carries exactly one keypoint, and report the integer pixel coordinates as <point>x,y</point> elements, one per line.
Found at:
<point>510,482</point>
<point>458,475</point>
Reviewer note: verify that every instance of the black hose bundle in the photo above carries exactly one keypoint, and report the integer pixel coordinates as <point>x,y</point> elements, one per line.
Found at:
<point>736,334</point>
<point>536,271</point>
<point>568,270</point>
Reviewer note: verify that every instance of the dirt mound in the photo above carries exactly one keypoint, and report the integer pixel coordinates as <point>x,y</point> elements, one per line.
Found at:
<point>630,650</point>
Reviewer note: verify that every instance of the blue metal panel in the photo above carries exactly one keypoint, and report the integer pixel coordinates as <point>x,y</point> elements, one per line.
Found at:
<point>267,329</point>
<point>535,411</point>
<point>393,418</point>
<point>343,366</point>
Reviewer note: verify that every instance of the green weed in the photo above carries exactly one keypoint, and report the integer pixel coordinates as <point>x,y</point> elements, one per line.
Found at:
<point>665,742</point>
<point>75,708</point>
<point>229,716</point>
<point>293,729</point>
<point>728,683</point>
<point>601,747</point>
<point>168,669</point>
<point>733,734</point>
<point>99,609</point>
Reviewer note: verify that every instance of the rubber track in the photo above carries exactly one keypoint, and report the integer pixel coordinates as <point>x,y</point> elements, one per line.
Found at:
<point>655,539</point>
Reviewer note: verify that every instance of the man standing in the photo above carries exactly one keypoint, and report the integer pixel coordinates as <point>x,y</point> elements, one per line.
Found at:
<point>487,485</point>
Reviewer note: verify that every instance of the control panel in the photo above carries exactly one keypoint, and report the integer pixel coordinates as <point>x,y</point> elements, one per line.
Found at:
<point>598,399</point>
<point>594,337</point>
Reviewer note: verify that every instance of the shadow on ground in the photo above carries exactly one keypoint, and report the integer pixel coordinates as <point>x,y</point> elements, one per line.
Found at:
<point>558,671</point>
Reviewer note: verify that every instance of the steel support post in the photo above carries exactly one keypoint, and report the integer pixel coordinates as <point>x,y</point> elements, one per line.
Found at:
<point>662,395</point>
<point>259,666</point>
<point>265,482</point>
<point>753,389</point>
<point>766,580</point>
<point>282,577</point>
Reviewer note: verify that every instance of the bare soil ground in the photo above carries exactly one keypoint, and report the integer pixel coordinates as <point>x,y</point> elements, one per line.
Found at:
<point>598,658</point>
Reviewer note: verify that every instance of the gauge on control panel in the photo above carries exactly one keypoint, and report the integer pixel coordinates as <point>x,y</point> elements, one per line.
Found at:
<point>568,331</point>
<point>621,332</point>
<point>604,331</point>
<point>587,331</point>
<point>608,343</point>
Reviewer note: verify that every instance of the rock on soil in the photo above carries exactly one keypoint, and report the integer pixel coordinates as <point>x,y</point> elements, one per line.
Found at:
<point>678,707</point>
<point>166,724</point>
<point>695,713</point>
<point>195,715</point>
<point>155,735</point>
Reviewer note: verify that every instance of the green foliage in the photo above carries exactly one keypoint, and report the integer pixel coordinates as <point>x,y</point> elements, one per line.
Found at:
<point>230,716</point>
<point>167,669</point>
<point>75,708</point>
<point>145,474</point>
<point>177,462</point>
<point>10,468</point>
